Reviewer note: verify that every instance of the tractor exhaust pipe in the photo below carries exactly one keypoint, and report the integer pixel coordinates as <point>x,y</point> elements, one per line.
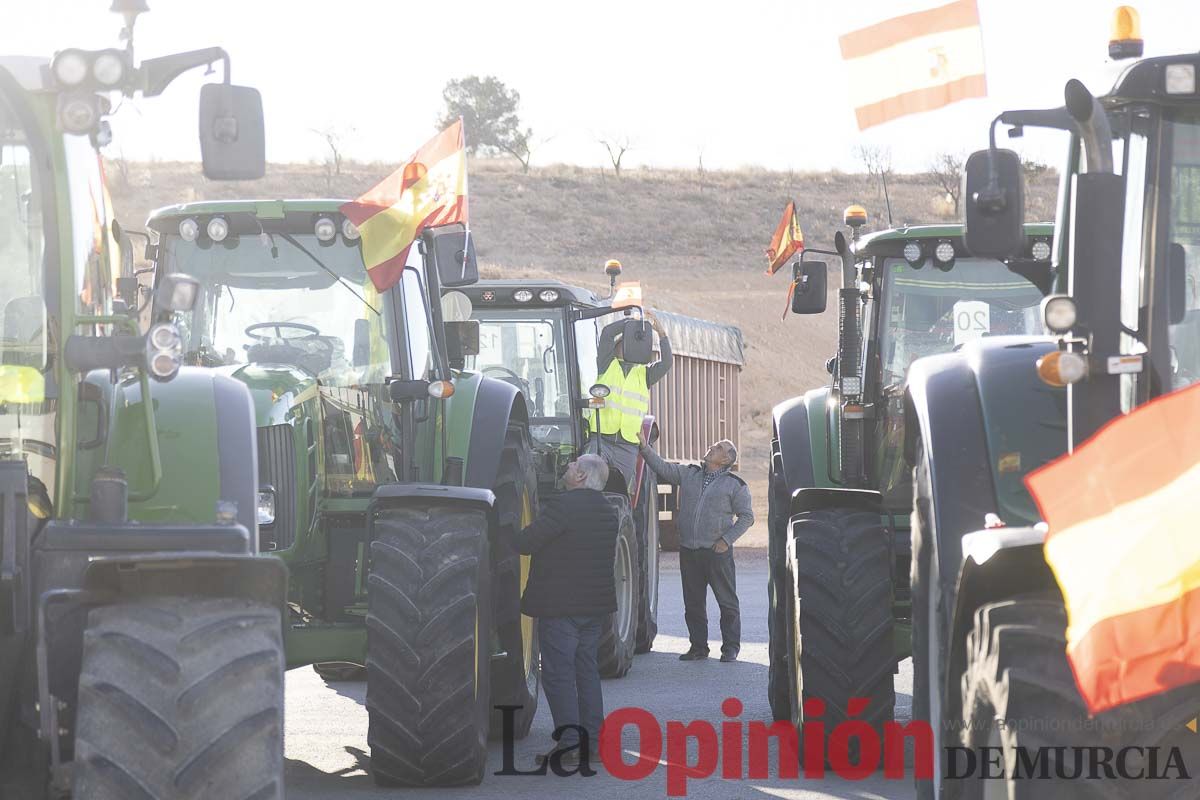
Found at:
<point>110,497</point>
<point>1094,129</point>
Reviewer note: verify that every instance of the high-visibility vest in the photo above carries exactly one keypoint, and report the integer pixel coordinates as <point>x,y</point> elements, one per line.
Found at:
<point>627,402</point>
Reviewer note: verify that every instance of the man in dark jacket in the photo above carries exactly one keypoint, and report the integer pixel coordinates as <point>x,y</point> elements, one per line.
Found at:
<point>571,593</point>
<point>714,510</point>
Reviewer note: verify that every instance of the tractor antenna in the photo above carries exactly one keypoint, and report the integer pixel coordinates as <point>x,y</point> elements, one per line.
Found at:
<point>887,198</point>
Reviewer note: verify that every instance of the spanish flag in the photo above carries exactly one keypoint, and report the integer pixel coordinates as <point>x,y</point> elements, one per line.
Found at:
<point>1124,544</point>
<point>428,190</point>
<point>915,62</point>
<point>787,241</point>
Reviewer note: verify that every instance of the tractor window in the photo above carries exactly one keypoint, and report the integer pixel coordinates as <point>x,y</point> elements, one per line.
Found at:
<point>526,347</point>
<point>1184,230</point>
<point>417,325</point>
<point>89,226</point>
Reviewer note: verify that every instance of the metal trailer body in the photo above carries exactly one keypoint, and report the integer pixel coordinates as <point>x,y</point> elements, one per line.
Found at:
<point>979,420</point>
<point>371,443</point>
<point>127,486</point>
<point>840,490</point>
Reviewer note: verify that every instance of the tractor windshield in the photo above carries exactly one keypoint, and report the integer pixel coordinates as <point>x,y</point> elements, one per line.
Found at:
<point>1183,135</point>
<point>26,414</point>
<point>282,298</point>
<point>927,311</point>
<point>527,348</point>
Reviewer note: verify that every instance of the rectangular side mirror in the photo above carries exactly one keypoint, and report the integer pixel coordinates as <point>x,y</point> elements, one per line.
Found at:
<point>232,138</point>
<point>454,255</point>
<point>361,356</point>
<point>809,296</point>
<point>637,342</point>
<point>462,339</point>
<point>994,195</point>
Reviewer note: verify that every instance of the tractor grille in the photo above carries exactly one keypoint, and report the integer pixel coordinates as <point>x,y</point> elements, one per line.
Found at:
<point>277,467</point>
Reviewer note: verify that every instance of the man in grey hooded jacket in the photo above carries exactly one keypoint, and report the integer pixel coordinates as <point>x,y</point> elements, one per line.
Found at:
<point>714,510</point>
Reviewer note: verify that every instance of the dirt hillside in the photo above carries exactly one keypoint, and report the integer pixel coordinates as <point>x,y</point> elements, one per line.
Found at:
<point>695,241</point>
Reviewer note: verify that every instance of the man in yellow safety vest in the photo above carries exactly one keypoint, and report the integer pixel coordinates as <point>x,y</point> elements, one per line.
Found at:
<point>628,400</point>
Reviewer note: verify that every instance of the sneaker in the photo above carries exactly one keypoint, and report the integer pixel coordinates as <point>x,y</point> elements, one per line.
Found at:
<point>729,658</point>
<point>694,655</point>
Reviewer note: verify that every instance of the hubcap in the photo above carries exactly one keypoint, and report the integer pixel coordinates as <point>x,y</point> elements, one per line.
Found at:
<point>622,570</point>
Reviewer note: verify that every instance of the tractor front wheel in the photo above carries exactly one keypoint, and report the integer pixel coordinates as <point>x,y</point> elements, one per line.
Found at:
<point>618,642</point>
<point>648,574</point>
<point>180,697</point>
<point>428,652</point>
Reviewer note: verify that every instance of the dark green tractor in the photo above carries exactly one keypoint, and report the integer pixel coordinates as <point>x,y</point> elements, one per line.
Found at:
<point>391,480</point>
<point>141,635</point>
<point>989,618</point>
<point>840,491</point>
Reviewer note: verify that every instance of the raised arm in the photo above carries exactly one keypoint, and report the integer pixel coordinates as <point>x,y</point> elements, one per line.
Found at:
<point>656,371</point>
<point>665,470</point>
<point>606,348</point>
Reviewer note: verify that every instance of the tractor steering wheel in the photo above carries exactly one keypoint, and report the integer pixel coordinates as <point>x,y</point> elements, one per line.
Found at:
<point>279,326</point>
<point>516,380</point>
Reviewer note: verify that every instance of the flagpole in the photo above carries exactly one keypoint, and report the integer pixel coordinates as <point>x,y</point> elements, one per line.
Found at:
<point>466,195</point>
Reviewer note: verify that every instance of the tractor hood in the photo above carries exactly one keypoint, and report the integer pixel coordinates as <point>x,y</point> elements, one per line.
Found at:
<point>277,390</point>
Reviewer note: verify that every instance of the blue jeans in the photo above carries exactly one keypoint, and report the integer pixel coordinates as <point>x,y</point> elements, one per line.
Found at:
<point>570,675</point>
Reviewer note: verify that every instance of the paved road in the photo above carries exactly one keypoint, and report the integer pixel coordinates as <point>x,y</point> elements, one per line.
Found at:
<point>327,725</point>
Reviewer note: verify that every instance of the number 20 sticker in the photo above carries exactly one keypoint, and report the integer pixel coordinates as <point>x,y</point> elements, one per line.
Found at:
<point>972,319</point>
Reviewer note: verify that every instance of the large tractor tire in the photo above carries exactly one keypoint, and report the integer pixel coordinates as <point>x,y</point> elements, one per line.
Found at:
<point>842,563</point>
<point>1018,692</point>
<point>340,671</point>
<point>516,676</point>
<point>778,593</point>
<point>180,697</point>
<point>428,649</point>
<point>648,575</point>
<point>619,640</point>
<point>928,649</point>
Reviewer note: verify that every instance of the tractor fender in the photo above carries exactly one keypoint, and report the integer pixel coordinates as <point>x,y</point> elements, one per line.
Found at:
<point>794,441</point>
<point>260,579</point>
<point>496,405</point>
<point>816,498</point>
<point>943,411</point>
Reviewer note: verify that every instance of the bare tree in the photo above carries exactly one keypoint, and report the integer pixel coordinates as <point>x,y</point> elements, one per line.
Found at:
<point>946,169</point>
<point>616,147</point>
<point>878,162</point>
<point>334,137</point>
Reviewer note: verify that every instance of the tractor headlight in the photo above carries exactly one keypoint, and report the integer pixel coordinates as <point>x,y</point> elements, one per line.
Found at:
<point>1040,250</point>
<point>108,68</point>
<point>1059,313</point>
<point>217,229</point>
<point>350,230</point>
<point>325,229</point>
<point>164,351</point>
<point>189,229</point>
<point>265,508</point>
<point>1180,79</point>
<point>913,254</point>
<point>70,67</point>
<point>851,385</point>
<point>78,113</point>
<point>548,295</point>
<point>943,254</point>
<point>522,295</point>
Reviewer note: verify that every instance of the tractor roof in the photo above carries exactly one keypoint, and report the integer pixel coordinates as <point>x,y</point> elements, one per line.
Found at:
<point>263,209</point>
<point>1145,80</point>
<point>936,232</point>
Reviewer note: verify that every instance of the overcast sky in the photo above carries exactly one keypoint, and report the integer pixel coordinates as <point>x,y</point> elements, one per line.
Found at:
<point>753,82</point>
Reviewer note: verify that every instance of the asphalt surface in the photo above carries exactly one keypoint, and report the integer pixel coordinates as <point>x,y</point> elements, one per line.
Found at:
<point>327,755</point>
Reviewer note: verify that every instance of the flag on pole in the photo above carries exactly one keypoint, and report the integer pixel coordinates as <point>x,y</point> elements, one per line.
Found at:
<point>430,189</point>
<point>787,240</point>
<point>1123,545</point>
<point>916,62</point>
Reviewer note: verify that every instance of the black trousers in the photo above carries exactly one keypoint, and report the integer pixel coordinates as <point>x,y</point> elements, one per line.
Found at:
<point>571,676</point>
<point>698,570</point>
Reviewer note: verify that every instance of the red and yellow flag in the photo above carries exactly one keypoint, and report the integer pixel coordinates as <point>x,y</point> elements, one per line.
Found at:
<point>787,241</point>
<point>427,191</point>
<point>1125,547</point>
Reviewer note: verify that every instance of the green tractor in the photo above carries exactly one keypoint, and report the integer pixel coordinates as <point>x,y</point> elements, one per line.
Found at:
<point>541,337</point>
<point>392,482</point>
<point>141,636</point>
<point>989,632</point>
<point>840,609</point>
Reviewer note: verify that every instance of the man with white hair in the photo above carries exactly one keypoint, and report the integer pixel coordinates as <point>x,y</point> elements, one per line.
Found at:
<point>714,510</point>
<point>570,591</point>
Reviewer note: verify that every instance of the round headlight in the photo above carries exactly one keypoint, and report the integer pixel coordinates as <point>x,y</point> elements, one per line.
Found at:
<point>944,252</point>
<point>522,295</point>
<point>70,67</point>
<point>189,229</point>
<point>325,229</point>
<point>79,114</point>
<point>164,364</point>
<point>109,68</point>
<point>548,295</point>
<point>1059,313</point>
<point>599,390</point>
<point>164,337</point>
<point>349,230</point>
<point>1041,250</point>
<point>217,229</point>
<point>912,253</point>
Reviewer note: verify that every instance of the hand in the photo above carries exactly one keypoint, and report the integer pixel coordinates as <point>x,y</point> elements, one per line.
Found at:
<point>654,323</point>
<point>720,546</point>
<point>642,438</point>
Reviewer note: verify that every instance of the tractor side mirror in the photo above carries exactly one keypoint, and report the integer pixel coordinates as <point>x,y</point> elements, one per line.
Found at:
<point>453,251</point>
<point>809,295</point>
<point>361,356</point>
<point>462,339</point>
<point>127,290</point>
<point>994,189</point>
<point>637,342</point>
<point>232,136</point>
<point>1177,282</point>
